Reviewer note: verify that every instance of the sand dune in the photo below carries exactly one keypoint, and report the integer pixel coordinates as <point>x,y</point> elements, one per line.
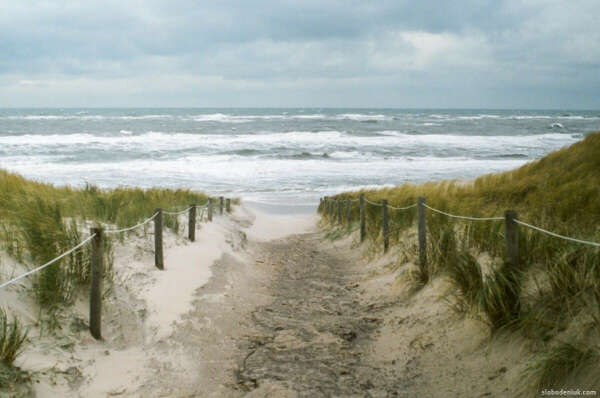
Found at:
<point>262,304</point>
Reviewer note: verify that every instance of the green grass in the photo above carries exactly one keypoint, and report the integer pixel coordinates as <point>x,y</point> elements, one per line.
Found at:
<point>465,273</point>
<point>559,192</point>
<point>335,234</point>
<point>500,297</point>
<point>12,337</point>
<point>442,246</point>
<point>563,366</point>
<point>14,382</point>
<point>38,222</point>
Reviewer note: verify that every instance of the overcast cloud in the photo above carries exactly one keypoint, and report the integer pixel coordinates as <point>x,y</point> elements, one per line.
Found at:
<point>427,53</point>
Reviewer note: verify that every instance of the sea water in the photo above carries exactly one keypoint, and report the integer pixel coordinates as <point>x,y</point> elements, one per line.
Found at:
<point>282,156</point>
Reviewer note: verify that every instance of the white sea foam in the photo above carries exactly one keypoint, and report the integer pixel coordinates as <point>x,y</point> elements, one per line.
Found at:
<point>294,139</point>
<point>478,117</point>
<point>363,117</point>
<point>315,116</point>
<point>311,177</point>
<point>141,117</point>
<point>225,118</point>
<point>218,117</point>
<point>253,152</point>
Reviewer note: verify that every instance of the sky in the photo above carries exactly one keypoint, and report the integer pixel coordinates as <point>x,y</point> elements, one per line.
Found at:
<point>536,54</point>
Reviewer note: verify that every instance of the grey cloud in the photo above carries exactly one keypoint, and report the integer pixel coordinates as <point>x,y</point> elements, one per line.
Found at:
<point>474,48</point>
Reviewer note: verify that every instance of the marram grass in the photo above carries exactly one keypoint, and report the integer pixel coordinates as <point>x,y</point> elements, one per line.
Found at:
<point>566,366</point>
<point>40,221</point>
<point>12,337</point>
<point>561,193</point>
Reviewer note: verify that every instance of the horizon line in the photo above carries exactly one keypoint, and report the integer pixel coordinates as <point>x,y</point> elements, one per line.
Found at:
<point>298,107</point>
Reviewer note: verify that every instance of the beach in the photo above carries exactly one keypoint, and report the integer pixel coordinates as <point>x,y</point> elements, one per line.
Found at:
<point>299,199</point>
<point>146,312</point>
<point>285,298</point>
<point>263,304</point>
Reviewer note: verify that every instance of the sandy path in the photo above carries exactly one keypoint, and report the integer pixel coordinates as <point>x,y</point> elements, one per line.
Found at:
<point>266,306</point>
<point>311,338</point>
<point>278,318</point>
<point>288,314</point>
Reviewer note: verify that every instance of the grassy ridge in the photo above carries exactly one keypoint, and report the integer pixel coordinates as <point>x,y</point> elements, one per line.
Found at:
<point>554,296</point>
<point>559,191</point>
<point>40,221</point>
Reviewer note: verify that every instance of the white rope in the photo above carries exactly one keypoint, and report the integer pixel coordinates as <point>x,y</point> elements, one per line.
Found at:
<point>585,242</point>
<point>116,231</point>
<point>184,210</point>
<point>204,206</point>
<point>48,263</point>
<point>373,203</point>
<point>176,213</point>
<point>402,208</point>
<point>465,217</point>
<point>113,231</point>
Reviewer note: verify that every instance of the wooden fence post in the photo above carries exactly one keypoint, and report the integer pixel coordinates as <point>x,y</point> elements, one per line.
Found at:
<point>210,209</point>
<point>386,227</point>
<point>158,240</point>
<point>228,205</point>
<point>330,207</point>
<point>220,205</point>
<point>512,237</point>
<point>422,233</point>
<point>96,274</point>
<point>339,211</point>
<point>192,223</point>
<point>348,211</point>
<point>363,225</point>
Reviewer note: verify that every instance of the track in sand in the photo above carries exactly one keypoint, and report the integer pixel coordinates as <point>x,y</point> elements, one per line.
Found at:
<point>311,338</point>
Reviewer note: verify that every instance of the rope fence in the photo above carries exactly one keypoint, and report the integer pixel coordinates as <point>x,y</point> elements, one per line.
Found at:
<point>510,219</point>
<point>41,267</point>
<point>464,217</point>
<point>176,213</point>
<point>402,208</point>
<point>373,203</point>
<point>585,242</point>
<point>118,231</point>
<point>97,236</point>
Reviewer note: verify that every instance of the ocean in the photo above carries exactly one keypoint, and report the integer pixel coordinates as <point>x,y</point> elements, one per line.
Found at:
<point>280,156</point>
